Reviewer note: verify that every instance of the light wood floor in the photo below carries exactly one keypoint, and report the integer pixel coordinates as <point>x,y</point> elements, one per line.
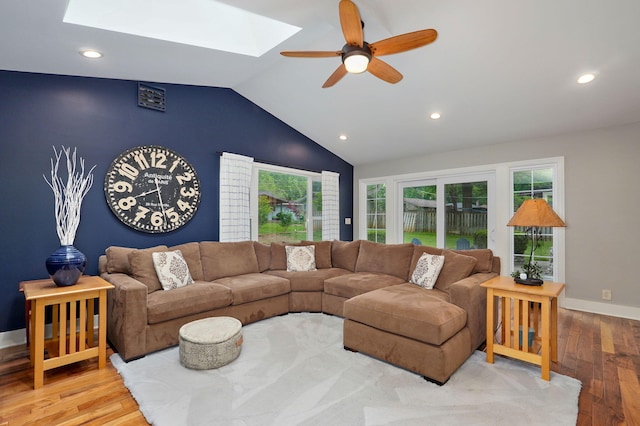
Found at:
<point>602,352</point>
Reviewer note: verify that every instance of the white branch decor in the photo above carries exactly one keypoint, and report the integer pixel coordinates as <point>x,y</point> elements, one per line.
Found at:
<point>68,196</point>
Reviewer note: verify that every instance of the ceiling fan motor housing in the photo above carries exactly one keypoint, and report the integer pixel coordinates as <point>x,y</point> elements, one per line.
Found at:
<point>356,58</point>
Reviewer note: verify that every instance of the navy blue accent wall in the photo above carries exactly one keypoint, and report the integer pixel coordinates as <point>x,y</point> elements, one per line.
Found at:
<point>101,118</point>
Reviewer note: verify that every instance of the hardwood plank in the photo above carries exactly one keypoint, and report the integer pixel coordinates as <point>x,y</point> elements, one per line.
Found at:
<point>606,337</point>
<point>630,392</point>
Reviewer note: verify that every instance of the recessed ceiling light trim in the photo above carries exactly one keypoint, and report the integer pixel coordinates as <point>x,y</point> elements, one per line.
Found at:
<point>91,54</point>
<point>203,23</point>
<point>435,116</point>
<point>586,78</point>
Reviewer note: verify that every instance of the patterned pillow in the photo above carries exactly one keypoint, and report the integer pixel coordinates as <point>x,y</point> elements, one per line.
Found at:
<point>427,270</point>
<point>301,258</point>
<point>172,269</point>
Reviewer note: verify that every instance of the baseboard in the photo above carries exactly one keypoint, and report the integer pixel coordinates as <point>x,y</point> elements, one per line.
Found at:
<point>601,308</point>
<point>19,337</point>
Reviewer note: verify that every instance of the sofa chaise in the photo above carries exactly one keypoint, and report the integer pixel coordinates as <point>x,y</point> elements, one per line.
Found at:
<point>428,331</point>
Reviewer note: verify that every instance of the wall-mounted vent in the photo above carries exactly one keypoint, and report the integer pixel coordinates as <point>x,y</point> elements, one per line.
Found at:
<point>151,97</point>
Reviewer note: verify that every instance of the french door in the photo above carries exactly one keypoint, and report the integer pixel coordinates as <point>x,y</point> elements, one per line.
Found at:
<point>454,212</point>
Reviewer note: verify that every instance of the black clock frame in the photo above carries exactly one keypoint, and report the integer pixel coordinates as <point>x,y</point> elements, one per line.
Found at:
<point>152,189</point>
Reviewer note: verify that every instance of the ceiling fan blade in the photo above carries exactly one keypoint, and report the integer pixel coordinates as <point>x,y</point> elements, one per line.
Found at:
<point>384,71</point>
<point>335,77</point>
<point>403,42</point>
<point>351,23</point>
<point>311,54</point>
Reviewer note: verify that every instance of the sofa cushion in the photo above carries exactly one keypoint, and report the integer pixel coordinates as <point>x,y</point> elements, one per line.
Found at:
<point>407,310</point>
<point>172,269</point>
<point>418,251</point>
<point>142,268</point>
<point>390,259</point>
<point>323,253</point>
<point>263,253</point>
<point>250,287</point>
<point>427,270</point>
<point>191,254</point>
<point>309,281</point>
<point>279,254</point>
<point>344,254</point>
<point>227,259</point>
<point>301,258</point>
<point>199,297</point>
<point>118,258</point>
<point>278,257</point>
<point>484,257</point>
<point>456,267</point>
<point>356,283</point>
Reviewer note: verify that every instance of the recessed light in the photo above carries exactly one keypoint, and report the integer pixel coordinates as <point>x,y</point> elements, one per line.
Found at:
<point>91,54</point>
<point>586,78</point>
<point>435,116</point>
<point>343,137</point>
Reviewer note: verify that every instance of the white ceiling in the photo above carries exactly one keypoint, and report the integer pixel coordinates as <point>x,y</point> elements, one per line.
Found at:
<point>499,71</point>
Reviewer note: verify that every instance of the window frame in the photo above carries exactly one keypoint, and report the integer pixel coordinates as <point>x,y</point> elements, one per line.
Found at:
<point>501,238</point>
<point>557,194</point>
<point>311,177</point>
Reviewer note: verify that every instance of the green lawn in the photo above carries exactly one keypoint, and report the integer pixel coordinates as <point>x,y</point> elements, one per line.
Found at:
<point>274,232</point>
<point>429,238</point>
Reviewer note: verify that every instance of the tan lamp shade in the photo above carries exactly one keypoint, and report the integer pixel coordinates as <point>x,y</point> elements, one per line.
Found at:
<point>536,212</point>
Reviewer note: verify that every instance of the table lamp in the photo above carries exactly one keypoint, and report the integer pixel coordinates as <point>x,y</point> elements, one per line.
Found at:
<point>534,214</point>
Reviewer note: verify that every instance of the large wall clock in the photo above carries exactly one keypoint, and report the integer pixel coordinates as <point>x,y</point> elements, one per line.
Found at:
<point>152,189</point>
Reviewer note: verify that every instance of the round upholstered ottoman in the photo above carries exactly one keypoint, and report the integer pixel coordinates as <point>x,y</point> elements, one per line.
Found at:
<point>210,343</point>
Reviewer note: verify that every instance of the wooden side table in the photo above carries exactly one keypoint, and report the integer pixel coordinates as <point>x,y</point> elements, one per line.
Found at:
<point>518,316</point>
<point>69,342</point>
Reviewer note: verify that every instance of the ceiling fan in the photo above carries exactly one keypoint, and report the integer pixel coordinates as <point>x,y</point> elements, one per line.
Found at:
<point>359,56</point>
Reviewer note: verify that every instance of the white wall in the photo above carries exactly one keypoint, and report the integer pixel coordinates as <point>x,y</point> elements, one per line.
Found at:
<point>602,202</point>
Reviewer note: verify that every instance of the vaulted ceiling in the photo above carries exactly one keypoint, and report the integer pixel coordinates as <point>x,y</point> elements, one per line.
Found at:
<point>499,71</point>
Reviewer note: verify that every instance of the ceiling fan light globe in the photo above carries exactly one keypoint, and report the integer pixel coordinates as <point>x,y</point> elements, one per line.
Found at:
<point>356,63</point>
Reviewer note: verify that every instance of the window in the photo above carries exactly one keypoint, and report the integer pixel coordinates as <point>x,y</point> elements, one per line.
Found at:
<point>419,217</point>
<point>289,205</point>
<point>451,212</point>
<point>534,182</point>
<point>466,207</point>
<point>376,215</point>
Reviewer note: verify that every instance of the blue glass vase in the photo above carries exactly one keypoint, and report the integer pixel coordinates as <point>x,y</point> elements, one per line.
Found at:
<point>66,265</point>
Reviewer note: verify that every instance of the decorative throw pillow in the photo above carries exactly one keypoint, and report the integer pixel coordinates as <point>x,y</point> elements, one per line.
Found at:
<point>427,270</point>
<point>172,269</point>
<point>301,258</point>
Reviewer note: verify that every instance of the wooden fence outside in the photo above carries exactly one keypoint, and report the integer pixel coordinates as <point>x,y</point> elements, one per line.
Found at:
<point>464,223</point>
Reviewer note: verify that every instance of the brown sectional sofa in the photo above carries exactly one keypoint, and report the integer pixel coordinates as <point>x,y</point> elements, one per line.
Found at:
<point>431,332</point>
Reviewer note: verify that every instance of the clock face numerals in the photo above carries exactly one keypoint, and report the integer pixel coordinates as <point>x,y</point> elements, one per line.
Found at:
<point>152,189</point>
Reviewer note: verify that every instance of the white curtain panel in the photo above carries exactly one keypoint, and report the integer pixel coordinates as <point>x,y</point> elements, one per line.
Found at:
<point>235,206</point>
<point>330,206</point>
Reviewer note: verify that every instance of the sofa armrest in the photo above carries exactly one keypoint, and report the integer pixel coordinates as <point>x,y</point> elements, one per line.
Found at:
<point>468,295</point>
<point>126,315</point>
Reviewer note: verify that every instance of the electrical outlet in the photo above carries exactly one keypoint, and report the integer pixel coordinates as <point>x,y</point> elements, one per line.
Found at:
<point>606,294</point>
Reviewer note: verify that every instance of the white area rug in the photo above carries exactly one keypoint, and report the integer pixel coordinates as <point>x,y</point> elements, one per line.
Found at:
<point>293,370</point>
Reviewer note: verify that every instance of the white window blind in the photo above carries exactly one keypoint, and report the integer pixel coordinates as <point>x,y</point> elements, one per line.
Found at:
<point>235,185</point>
<point>330,206</point>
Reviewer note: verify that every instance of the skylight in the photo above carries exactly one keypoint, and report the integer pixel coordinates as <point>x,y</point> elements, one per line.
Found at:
<point>203,23</point>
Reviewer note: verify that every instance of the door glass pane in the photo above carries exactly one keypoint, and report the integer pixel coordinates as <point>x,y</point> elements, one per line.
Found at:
<point>533,183</point>
<point>282,205</point>
<point>466,215</point>
<point>419,215</point>
<point>376,213</point>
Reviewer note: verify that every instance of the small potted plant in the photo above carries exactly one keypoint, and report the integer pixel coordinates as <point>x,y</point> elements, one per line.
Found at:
<point>531,275</point>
